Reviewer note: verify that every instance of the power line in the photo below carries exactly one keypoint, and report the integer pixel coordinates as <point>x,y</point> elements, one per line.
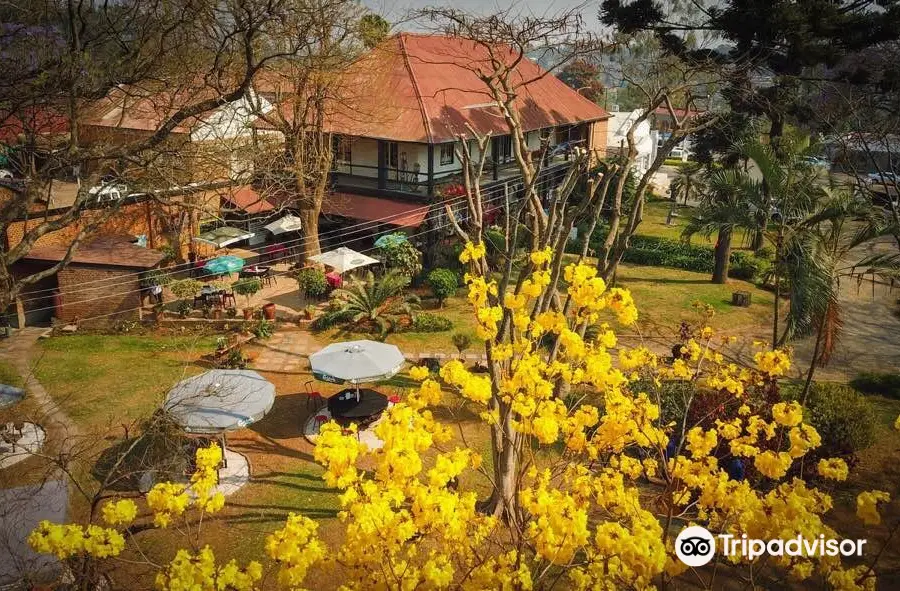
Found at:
<point>278,274</point>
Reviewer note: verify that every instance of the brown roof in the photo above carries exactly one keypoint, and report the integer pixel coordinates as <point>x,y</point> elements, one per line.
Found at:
<point>110,252</point>
<point>247,199</point>
<point>424,88</point>
<point>145,107</point>
<point>359,207</point>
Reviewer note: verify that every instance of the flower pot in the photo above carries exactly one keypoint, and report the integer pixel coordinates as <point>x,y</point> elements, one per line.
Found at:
<point>269,311</point>
<point>248,313</point>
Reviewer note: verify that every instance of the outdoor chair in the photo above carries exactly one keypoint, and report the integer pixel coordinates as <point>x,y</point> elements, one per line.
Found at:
<point>269,278</point>
<point>228,297</point>
<point>313,397</point>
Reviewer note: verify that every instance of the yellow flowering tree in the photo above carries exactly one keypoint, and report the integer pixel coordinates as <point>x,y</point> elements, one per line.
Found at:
<point>604,478</point>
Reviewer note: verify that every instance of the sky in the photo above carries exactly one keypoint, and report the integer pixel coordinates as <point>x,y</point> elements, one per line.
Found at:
<point>396,11</point>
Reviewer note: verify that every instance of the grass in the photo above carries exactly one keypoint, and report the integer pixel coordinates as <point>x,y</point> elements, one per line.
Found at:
<point>654,224</point>
<point>665,297</point>
<point>101,380</point>
<point>9,375</point>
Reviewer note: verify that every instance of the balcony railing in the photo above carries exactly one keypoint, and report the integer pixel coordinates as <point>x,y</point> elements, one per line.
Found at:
<point>415,183</point>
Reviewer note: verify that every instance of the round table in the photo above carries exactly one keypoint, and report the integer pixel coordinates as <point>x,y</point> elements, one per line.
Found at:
<point>344,406</point>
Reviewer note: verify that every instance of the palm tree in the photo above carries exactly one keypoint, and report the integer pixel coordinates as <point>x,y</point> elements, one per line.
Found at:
<point>374,303</point>
<point>687,182</point>
<point>840,225</point>
<point>725,205</point>
<point>790,192</point>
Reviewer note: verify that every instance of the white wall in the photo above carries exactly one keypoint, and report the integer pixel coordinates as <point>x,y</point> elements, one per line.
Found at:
<point>617,129</point>
<point>230,121</point>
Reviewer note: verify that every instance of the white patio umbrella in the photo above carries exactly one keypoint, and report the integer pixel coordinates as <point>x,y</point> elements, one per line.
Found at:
<point>288,223</point>
<point>343,259</point>
<point>356,362</point>
<point>220,400</point>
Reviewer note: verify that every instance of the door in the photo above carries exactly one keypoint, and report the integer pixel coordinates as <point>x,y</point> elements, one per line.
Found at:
<point>393,160</point>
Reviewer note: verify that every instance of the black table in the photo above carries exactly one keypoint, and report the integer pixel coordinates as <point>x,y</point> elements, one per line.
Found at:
<point>344,407</point>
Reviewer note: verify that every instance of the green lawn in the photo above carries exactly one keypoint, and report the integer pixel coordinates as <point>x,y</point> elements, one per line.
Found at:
<point>665,297</point>
<point>108,380</point>
<point>9,375</point>
<point>654,224</point>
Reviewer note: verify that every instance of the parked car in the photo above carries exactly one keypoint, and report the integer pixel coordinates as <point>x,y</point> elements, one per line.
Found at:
<point>108,192</point>
<point>817,162</point>
<point>882,178</point>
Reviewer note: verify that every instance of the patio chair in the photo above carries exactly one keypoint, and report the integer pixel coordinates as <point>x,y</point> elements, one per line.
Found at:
<point>269,278</point>
<point>228,297</point>
<point>313,396</point>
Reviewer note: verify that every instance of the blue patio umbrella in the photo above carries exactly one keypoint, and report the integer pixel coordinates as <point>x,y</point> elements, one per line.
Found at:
<point>224,265</point>
<point>391,240</point>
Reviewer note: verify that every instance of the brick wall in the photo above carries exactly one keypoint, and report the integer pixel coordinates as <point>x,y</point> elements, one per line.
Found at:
<point>114,299</point>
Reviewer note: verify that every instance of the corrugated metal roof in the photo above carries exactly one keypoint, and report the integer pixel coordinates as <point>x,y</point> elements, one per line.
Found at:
<point>425,88</point>
<point>359,207</point>
<point>105,251</point>
<point>247,199</point>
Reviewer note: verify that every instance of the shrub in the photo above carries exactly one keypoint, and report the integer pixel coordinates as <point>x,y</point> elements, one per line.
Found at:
<point>403,256</point>
<point>461,341</point>
<point>312,282</point>
<point>886,384</point>
<point>443,284</point>
<point>185,288</point>
<point>842,416</point>
<point>748,267</point>
<point>263,329</point>
<point>425,322</point>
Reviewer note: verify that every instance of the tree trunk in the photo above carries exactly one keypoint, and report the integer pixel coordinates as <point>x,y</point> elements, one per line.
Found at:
<point>722,256</point>
<point>815,358</point>
<point>309,221</point>
<point>777,292</point>
<point>504,501</point>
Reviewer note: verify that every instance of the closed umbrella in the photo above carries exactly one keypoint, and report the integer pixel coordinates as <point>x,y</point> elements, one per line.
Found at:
<point>224,265</point>
<point>356,362</point>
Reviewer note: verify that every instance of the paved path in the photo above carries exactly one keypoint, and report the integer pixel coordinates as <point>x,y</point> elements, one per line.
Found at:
<point>19,351</point>
<point>287,352</point>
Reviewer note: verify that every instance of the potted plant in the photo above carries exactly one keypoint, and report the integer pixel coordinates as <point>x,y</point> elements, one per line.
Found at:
<point>308,312</point>
<point>247,287</point>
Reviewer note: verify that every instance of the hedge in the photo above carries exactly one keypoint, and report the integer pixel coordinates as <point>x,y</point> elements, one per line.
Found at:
<point>676,254</point>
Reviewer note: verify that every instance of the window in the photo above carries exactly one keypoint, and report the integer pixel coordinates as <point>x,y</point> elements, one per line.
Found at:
<point>503,149</point>
<point>447,151</point>
<point>342,152</point>
<point>393,155</point>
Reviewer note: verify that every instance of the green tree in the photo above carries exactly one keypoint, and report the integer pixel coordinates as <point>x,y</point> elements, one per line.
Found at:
<point>373,29</point>
<point>687,182</point>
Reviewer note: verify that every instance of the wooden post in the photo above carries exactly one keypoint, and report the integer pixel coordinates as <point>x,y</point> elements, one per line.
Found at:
<point>430,171</point>
<point>382,164</point>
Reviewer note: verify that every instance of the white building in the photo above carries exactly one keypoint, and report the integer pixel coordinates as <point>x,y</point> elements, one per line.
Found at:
<point>617,143</point>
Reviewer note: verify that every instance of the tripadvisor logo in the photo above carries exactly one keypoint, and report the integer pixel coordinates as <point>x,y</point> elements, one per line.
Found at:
<point>695,546</point>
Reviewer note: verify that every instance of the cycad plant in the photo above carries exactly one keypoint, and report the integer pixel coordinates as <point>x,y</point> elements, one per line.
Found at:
<point>374,303</point>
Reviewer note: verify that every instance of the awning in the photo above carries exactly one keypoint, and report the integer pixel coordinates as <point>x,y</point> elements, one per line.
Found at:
<point>222,237</point>
<point>248,200</point>
<point>289,223</point>
<point>374,209</point>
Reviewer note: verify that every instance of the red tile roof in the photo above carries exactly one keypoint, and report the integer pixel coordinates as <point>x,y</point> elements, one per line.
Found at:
<point>359,207</point>
<point>105,251</point>
<point>424,88</point>
<point>247,199</point>
<point>145,107</point>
